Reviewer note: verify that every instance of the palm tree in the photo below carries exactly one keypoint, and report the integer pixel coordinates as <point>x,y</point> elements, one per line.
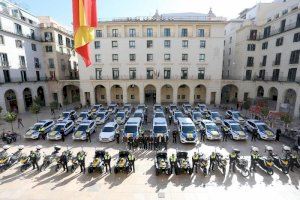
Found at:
<point>10,117</point>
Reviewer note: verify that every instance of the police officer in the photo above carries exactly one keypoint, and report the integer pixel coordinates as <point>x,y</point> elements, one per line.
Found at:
<point>293,160</point>
<point>62,133</point>
<point>151,142</point>
<point>64,161</point>
<point>232,160</point>
<point>81,160</point>
<point>89,115</point>
<point>173,160</point>
<point>130,143</point>
<point>88,136</point>
<point>174,133</point>
<point>107,160</point>
<point>225,132</point>
<point>195,160</point>
<point>118,137</point>
<point>202,134</point>
<point>131,160</point>
<point>254,158</point>
<point>170,119</point>
<point>33,159</point>
<point>212,160</point>
<point>254,135</point>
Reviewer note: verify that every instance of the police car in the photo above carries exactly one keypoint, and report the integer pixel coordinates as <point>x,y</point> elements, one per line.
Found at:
<point>67,115</point>
<point>187,108</point>
<point>157,107</point>
<point>132,127</point>
<point>40,128</point>
<point>187,130</point>
<point>139,113</point>
<point>55,133</point>
<point>236,131</point>
<point>159,127</point>
<point>172,108</point>
<point>196,116</point>
<point>263,130</point>
<point>159,114</point>
<point>120,117</point>
<point>83,116</point>
<point>101,117</point>
<point>81,131</point>
<point>212,131</point>
<point>108,132</point>
<point>215,117</point>
<point>96,108</point>
<point>142,107</point>
<point>176,115</point>
<point>113,108</point>
<point>127,108</point>
<point>201,107</point>
<point>235,115</point>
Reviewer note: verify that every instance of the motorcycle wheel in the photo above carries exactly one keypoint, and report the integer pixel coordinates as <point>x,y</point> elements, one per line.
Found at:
<point>14,139</point>
<point>285,170</point>
<point>72,168</point>
<point>245,173</point>
<point>56,168</point>
<point>90,170</point>
<point>205,173</point>
<point>270,172</point>
<point>8,141</point>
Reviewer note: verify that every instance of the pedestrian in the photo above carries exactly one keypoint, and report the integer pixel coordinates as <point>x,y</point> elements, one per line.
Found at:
<point>146,118</point>
<point>88,136</point>
<point>254,135</point>
<point>107,160</point>
<point>145,140</point>
<point>118,137</point>
<point>170,119</point>
<point>20,122</point>
<point>131,160</point>
<point>62,133</point>
<point>278,133</point>
<point>174,133</point>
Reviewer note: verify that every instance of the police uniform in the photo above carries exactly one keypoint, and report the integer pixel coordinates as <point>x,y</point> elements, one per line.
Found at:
<point>107,160</point>
<point>195,160</point>
<point>254,158</point>
<point>173,160</point>
<point>212,159</point>
<point>232,160</point>
<point>81,161</point>
<point>33,157</point>
<point>64,162</point>
<point>293,160</point>
<point>131,160</point>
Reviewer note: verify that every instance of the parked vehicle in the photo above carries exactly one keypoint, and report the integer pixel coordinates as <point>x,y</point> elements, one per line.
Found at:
<point>235,130</point>
<point>159,114</point>
<point>9,137</point>
<point>112,108</point>
<point>139,114</point>
<point>127,108</point>
<point>172,108</point>
<point>83,116</point>
<point>160,127</point>
<point>212,131</point>
<point>51,158</point>
<point>108,132</point>
<point>132,127</point>
<point>39,130</point>
<point>201,107</point>
<point>68,115</point>
<point>187,108</point>
<point>101,117</point>
<point>85,127</point>
<point>264,131</point>
<point>120,117</point>
<point>187,130</point>
<point>236,116</point>
<point>157,107</point>
<point>196,116</point>
<point>161,163</point>
<point>8,160</point>
<point>122,164</point>
<point>263,162</point>
<point>183,165</point>
<point>96,108</point>
<point>55,133</point>
<point>282,163</point>
<point>240,163</point>
<point>215,117</point>
<point>98,162</point>
<point>176,115</point>
<point>142,107</point>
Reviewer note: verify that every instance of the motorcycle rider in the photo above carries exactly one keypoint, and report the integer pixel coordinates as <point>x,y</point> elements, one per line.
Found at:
<point>195,160</point>
<point>34,160</point>
<point>131,160</point>
<point>64,161</point>
<point>81,160</point>
<point>254,158</point>
<point>212,160</point>
<point>233,156</point>
<point>173,160</point>
<point>107,160</point>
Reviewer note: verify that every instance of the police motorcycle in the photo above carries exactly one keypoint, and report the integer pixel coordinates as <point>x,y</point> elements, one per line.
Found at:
<point>25,162</point>
<point>237,162</point>
<point>98,162</point>
<point>183,165</point>
<point>293,158</point>
<point>7,160</point>
<point>122,164</point>
<point>161,163</point>
<point>59,161</point>
<point>49,159</point>
<point>264,162</point>
<point>281,163</point>
<point>80,156</point>
<point>203,164</point>
<point>220,162</point>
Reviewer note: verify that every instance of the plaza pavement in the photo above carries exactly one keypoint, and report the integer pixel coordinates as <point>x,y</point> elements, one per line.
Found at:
<point>143,184</point>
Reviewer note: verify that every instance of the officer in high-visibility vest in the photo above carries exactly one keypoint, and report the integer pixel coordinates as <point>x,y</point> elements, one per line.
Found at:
<point>81,160</point>
<point>212,160</point>
<point>173,160</point>
<point>195,160</point>
<point>33,159</point>
<point>131,160</point>
<point>232,160</point>
<point>107,160</point>
<point>254,158</point>
<point>292,161</point>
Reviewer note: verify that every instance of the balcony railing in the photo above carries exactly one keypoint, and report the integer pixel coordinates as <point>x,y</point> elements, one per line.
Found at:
<point>154,77</point>
<point>276,79</point>
<point>28,80</point>
<point>279,30</point>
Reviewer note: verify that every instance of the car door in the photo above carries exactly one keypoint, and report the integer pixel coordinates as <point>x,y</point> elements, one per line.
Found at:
<point>67,128</point>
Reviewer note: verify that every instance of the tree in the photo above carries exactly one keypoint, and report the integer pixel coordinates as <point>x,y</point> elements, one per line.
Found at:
<point>264,112</point>
<point>37,100</point>
<point>286,119</point>
<point>54,106</point>
<point>1,109</point>
<point>35,109</point>
<point>10,117</point>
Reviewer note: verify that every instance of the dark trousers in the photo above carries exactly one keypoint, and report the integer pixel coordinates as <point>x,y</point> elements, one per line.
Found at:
<point>211,165</point>
<point>150,145</point>
<point>174,139</point>
<point>225,136</point>
<point>253,138</point>
<point>145,145</point>
<point>252,165</point>
<point>107,166</point>
<point>202,137</point>
<point>82,166</point>
<point>35,164</point>
<point>118,140</point>
<point>65,166</point>
<point>232,166</point>
<point>131,163</point>
<point>88,138</point>
<point>195,166</point>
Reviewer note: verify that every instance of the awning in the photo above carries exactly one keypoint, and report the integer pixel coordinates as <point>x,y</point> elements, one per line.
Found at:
<point>28,16</point>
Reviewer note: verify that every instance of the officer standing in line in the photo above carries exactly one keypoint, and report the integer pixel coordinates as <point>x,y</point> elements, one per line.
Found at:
<point>62,133</point>
<point>232,160</point>
<point>33,159</point>
<point>64,162</point>
<point>118,137</point>
<point>81,159</point>
<point>174,133</point>
<point>195,160</point>
<point>107,160</point>
<point>254,135</point>
<point>88,136</point>
<point>212,159</point>
<point>254,158</point>
<point>173,160</point>
<point>131,160</point>
<point>170,119</point>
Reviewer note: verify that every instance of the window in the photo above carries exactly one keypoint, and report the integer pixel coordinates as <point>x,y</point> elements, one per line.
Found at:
<point>48,37</point>
<point>36,63</point>
<point>277,59</point>
<point>230,40</point>
<point>253,34</point>
<point>250,61</point>
<point>184,32</point>
<point>18,29</point>
<point>282,25</point>
<point>262,74</point>
<point>149,32</point>
<point>19,44</point>
<point>264,45</point>
<point>184,73</point>
<point>97,44</point>
<point>202,44</point>
<point>115,57</point>
<point>97,57</point>
<point>185,43</point>
<point>132,73</point>
<point>167,73</point>
<point>22,61</point>
<point>98,33</point>
<point>167,57</point>
<point>264,61</point>
<point>23,76</point>
<point>48,48</point>
<point>149,57</point>
<point>267,31</point>
<point>132,57</point>
<point>296,37</point>
<point>292,74</point>
<point>167,32</point>
<point>298,20</point>
<point>1,39</point>
<point>294,58</point>
<point>115,33</point>
<point>114,44</point>
<point>37,74</point>
<point>6,76</point>
<point>167,43</point>
<point>200,33</point>
<point>33,47</point>
<point>51,63</point>
<point>251,47</point>
<point>202,57</point>
<point>201,73</point>
<point>131,44</point>
<point>184,57</point>
<point>115,72</point>
<point>248,75</point>
<point>149,73</point>
<point>279,41</point>
<point>4,60</point>
<point>32,34</point>
<point>60,39</point>
<point>132,32</point>
<point>149,43</point>
<point>275,76</point>
<point>98,73</point>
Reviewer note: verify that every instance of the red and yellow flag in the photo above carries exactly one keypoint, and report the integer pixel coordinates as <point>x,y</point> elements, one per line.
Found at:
<point>84,22</point>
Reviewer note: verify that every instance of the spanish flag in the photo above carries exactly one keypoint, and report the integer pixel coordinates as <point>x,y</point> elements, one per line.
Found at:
<point>84,22</point>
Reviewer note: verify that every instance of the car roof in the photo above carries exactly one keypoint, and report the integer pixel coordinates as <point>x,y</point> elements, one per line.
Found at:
<point>86,122</point>
<point>133,121</point>
<point>255,121</point>
<point>127,104</point>
<point>110,124</point>
<point>207,121</point>
<point>185,120</point>
<point>177,111</point>
<point>139,111</point>
<point>63,122</point>
<point>159,121</point>
<point>121,111</point>
<point>229,121</point>
<point>44,121</point>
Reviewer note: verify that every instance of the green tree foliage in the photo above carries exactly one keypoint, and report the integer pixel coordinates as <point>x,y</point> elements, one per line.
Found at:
<point>10,117</point>
<point>264,112</point>
<point>35,109</point>
<point>286,119</point>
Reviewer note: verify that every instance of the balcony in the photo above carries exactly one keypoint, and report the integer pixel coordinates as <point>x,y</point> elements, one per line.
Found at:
<point>275,63</point>
<point>279,31</point>
<point>29,80</point>
<point>113,35</point>
<point>277,79</point>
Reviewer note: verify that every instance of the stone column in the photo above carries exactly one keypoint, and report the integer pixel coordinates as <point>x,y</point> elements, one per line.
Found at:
<point>142,95</point>
<point>82,97</point>
<point>208,97</point>
<point>158,95</point>
<point>92,96</point>
<point>125,98</point>
<point>280,99</point>
<point>175,93</point>
<point>108,97</point>
<point>297,107</point>
<point>192,95</point>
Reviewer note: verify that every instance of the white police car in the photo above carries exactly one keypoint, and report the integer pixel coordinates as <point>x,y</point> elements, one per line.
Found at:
<point>142,107</point>
<point>101,117</point>
<point>127,108</point>
<point>176,115</point>
<point>212,131</point>
<point>120,117</point>
<point>55,133</point>
<point>83,116</point>
<point>132,127</point>
<point>215,117</point>
<point>139,113</point>
<point>187,108</point>
<point>187,130</point>
<point>81,131</point>
<point>159,114</point>
<point>263,130</point>
<point>39,129</point>
<point>172,108</point>
<point>96,108</point>
<point>236,116</point>
<point>67,115</point>
<point>107,133</point>
<point>157,107</point>
<point>201,107</point>
<point>112,108</point>
<point>196,117</point>
<point>236,131</point>
<point>160,127</point>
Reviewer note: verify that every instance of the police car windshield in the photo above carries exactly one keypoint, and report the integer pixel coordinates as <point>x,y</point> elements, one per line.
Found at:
<point>58,127</point>
<point>236,115</point>
<point>36,127</point>
<point>95,107</point>
<point>159,115</point>
<point>215,114</point>
<point>178,115</point>
<point>65,115</point>
<point>137,115</point>
<point>236,127</point>
<point>197,115</point>
<point>82,128</point>
<point>140,107</point>
<point>187,129</point>
<point>101,115</point>
<point>262,127</point>
<point>188,107</point>
<point>160,129</point>
<point>83,115</point>
<point>211,127</point>
<point>120,114</point>
<point>108,129</point>
<point>130,129</point>
<point>126,107</point>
